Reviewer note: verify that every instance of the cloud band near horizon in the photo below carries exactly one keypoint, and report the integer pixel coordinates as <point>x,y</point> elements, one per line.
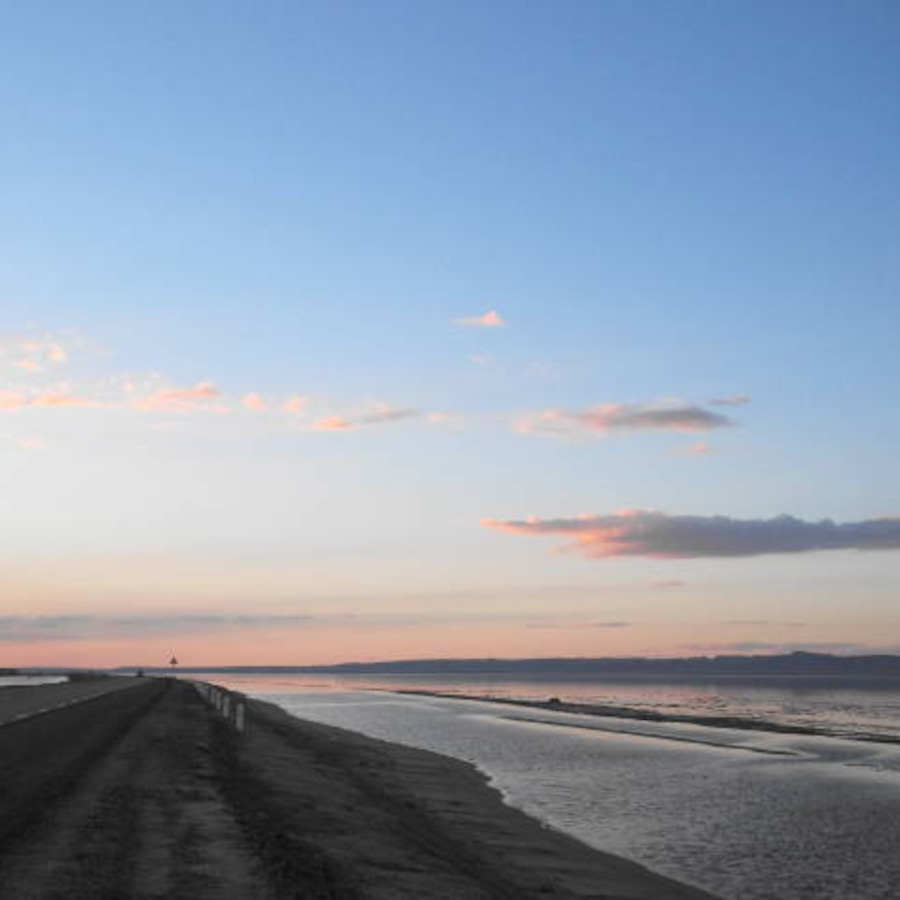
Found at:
<point>648,533</point>
<point>36,629</point>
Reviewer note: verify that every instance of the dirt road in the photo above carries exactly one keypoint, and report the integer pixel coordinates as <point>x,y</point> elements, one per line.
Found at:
<point>117,798</point>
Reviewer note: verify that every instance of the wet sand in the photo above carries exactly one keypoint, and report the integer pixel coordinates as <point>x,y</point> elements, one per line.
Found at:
<point>147,793</point>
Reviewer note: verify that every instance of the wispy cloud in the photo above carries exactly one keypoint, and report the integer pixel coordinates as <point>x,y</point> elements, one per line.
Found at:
<point>654,534</point>
<point>16,400</point>
<point>296,404</point>
<point>154,394</point>
<point>490,319</point>
<point>611,418</point>
<point>12,401</point>
<point>202,397</point>
<point>553,422</point>
<point>733,400</point>
<point>334,423</point>
<point>254,402</point>
<point>381,415</point>
<point>66,400</point>
<point>447,419</point>
<point>27,365</point>
<point>35,354</point>
<point>19,629</point>
<point>662,416</point>
<point>700,448</point>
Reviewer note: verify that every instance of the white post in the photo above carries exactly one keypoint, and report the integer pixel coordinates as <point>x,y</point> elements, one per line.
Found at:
<point>239,716</point>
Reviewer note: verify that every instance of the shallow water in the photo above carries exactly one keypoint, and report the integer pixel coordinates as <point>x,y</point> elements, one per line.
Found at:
<point>748,815</point>
<point>26,680</point>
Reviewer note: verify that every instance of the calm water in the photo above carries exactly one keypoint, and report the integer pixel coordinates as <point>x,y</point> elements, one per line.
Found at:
<point>748,815</point>
<point>25,680</point>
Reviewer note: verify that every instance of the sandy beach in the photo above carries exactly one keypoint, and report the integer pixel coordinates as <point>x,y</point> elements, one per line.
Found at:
<point>147,793</point>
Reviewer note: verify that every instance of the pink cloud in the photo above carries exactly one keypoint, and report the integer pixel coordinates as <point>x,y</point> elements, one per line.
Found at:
<point>199,398</point>
<point>654,534</point>
<point>490,319</point>
<point>701,448</point>
<point>333,423</point>
<point>453,419</point>
<point>64,396</point>
<point>382,414</point>
<point>296,404</point>
<point>34,354</point>
<point>255,402</point>
<point>29,365</point>
<point>63,400</point>
<point>11,401</point>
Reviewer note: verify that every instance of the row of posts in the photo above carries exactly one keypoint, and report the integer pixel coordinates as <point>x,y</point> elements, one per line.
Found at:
<point>229,704</point>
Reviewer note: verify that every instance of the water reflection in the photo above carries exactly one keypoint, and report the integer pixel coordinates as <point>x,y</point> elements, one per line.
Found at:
<point>871,706</point>
<point>27,680</point>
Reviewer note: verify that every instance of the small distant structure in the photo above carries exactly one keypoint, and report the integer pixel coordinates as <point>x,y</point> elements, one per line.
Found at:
<point>173,662</point>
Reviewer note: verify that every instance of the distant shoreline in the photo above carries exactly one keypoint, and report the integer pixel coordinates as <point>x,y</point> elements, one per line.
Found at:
<point>877,668</point>
<point>789,665</point>
<point>645,715</point>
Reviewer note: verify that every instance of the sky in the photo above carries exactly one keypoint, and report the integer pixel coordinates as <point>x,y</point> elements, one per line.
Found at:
<point>339,331</point>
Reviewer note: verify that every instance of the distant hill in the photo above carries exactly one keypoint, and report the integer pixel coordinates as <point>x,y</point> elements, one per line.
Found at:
<point>790,664</point>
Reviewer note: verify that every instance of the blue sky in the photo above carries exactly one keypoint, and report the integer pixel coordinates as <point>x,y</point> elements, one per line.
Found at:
<point>666,203</point>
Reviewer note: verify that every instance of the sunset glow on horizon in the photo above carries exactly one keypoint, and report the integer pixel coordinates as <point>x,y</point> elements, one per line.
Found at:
<point>354,333</point>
